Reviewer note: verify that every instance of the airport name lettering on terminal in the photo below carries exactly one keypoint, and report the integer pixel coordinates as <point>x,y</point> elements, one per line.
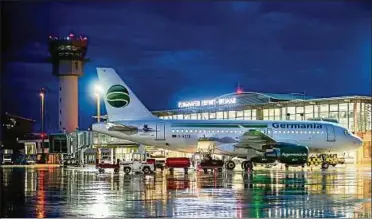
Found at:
<point>196,103</point>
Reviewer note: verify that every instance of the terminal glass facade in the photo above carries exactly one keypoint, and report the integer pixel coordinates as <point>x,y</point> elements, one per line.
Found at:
<point>354,116</point>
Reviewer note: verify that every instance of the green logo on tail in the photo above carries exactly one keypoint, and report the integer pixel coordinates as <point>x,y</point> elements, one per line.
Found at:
<point>118,96</point>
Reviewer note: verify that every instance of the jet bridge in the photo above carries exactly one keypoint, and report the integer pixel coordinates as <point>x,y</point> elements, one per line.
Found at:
<point>72,144</point>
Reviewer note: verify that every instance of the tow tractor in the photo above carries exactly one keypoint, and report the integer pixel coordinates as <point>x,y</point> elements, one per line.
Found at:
<point>139,163</point>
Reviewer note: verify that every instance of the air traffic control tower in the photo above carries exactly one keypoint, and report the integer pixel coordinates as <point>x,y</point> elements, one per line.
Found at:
<point>68,59</point>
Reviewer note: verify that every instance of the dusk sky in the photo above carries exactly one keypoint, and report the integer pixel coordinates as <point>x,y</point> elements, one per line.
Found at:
<point>167,52</point>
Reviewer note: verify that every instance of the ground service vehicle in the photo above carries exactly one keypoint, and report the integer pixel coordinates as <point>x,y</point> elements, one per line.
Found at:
<point>178,162</point>
<point>208,163</point>
<point>139,163</point>
<point>102,166</point>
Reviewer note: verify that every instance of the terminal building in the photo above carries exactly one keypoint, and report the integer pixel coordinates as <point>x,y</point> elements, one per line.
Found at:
<point>352,112</point>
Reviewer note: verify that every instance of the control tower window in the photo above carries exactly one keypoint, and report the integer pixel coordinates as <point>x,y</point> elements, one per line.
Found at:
<point>76,65</point>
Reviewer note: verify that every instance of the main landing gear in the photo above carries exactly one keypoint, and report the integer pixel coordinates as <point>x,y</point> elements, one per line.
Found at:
<point>247,165</point>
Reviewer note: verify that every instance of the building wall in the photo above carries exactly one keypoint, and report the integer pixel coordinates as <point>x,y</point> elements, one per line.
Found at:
<point>14,127</point>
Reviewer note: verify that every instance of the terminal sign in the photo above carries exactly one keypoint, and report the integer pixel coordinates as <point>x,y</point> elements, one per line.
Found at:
<point>196,103</point>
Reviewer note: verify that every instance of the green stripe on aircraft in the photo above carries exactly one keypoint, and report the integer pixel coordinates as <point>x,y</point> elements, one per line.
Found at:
<point>201,125</point>
<point>255,126</point>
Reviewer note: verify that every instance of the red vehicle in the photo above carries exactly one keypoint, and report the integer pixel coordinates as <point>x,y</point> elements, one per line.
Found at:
<point>178,162</point>
<point>102,166</point>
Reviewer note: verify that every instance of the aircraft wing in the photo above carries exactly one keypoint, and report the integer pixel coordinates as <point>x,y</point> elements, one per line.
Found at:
<point>254,139</point>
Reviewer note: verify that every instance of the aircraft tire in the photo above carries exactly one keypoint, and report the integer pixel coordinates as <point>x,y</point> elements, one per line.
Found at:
<point>243,165</point>
<point>248,166</point>
<point>325,165</point>
<point>126,170</point>
<point>230,165</point>
<point>146,170</point>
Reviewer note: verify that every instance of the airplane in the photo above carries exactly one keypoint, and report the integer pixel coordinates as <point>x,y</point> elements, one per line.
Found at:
<point>260,141</point>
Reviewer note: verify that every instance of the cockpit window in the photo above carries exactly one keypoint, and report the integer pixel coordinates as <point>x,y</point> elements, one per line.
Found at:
<point>346,132</point>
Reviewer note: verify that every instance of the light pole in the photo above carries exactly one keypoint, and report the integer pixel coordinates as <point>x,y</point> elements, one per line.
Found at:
<point>42,96</point>
<point>98,107</point>
<point>97,93</point>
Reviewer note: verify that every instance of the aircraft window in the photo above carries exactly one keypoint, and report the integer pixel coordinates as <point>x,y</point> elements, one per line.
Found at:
<point>181,130</point>
<point>317,132</point>
<point>301,132</point>
<point>231,131</point>
<point>186,130</point>
<point>293,132</point>
<point>305,132</point>
<point>177,130</point>
<point>322,132</point>
<point>313,132</point>
<point>275,131</point>
<point>221,131</point>
<point>280,132</point>
<point>296,132</point>
<point>236,131</point>
<point>218,131</point>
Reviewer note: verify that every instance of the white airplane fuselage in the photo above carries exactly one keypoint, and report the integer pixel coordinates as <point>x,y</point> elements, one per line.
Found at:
<point>129,119</point>
<point>183,135</point>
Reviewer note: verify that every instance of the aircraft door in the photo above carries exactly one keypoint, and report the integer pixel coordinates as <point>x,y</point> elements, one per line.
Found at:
<point>160,131</point>
<point>269,132</point>
<point>331,137</point>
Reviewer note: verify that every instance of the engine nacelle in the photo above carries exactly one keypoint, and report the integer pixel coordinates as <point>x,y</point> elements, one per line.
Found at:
<point>263,160</point>
<point>287,153</point>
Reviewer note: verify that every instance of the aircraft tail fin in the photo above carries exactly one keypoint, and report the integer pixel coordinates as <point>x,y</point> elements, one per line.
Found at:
<point>120,102</point>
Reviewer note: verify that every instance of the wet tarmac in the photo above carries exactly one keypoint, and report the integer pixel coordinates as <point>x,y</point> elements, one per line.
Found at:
<point>269,193</point>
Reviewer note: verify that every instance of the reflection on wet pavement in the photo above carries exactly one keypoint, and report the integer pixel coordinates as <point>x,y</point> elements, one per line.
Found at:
<point>56,192</point>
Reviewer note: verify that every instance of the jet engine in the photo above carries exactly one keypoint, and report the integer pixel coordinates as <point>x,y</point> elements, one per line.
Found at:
<point>287,153</point>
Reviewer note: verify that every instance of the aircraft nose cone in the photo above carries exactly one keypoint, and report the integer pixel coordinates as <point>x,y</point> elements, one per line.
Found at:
<point>357,141</point>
